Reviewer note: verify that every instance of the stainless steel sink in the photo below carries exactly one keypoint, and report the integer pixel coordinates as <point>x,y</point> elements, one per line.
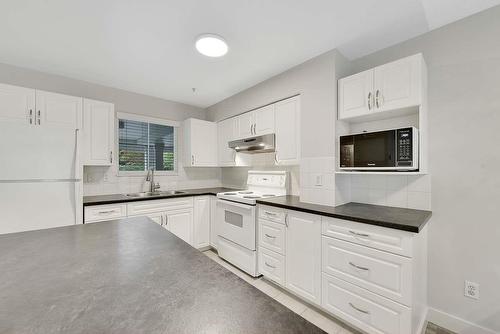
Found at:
<point>155,193</point>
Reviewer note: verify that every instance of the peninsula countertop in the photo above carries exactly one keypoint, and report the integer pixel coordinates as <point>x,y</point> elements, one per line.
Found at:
<point>410,220</point>
<point>127,276</point>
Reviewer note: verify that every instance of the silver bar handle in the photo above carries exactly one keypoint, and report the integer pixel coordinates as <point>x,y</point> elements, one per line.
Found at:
<point>166,220</point>
<point>270,236</point>
<point>31,116</point>
<point>111,157</point>
<point>161,220</point>
<point>192,159</point>
<point>270,213</point>
<point>358,309</point>
<point>38,117</point>
<point>359,234</point>
<point>106,212</point>
<point>377,94</point>
<point>370,101</point>
<point>359,267</point>
<point>286,219</point>
<point>270,266</point>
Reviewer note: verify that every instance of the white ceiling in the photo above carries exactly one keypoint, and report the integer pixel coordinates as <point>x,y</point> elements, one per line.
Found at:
<point>147,46</point>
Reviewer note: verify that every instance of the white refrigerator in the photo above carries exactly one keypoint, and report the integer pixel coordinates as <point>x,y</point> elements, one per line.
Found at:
<point>40,177</point>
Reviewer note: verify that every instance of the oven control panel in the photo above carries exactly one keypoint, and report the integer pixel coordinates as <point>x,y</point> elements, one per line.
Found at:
<point>267,179</point>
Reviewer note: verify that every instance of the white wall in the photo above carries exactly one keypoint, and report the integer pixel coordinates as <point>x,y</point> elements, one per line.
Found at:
<point>463,61</point>
<point>100,180</point>
<point>315,80</point>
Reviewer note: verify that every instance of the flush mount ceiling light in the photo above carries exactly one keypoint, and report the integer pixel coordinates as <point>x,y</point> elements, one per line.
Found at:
<point>211,45</point>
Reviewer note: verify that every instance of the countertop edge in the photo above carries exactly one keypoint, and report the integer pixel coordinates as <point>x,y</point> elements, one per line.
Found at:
<point>401,227</point>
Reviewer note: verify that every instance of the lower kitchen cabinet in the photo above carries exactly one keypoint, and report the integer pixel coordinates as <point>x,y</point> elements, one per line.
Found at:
<point>201,221</point>
<point>303,255</point>
<point>180,223</point>
<point>298,237</point>
<point>213,225</point>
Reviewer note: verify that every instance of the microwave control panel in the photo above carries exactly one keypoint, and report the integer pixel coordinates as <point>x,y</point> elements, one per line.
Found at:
<point>404,147</point>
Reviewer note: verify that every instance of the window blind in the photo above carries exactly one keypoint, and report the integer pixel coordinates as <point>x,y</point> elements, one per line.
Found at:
<point>144,146</point>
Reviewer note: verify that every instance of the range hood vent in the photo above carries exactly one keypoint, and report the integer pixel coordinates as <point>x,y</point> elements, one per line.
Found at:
<point>259,144</point>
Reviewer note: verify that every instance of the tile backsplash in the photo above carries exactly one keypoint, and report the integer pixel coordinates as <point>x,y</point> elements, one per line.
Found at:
<point>406,191</point>
<point>317,180</point>
<point>104,180</point>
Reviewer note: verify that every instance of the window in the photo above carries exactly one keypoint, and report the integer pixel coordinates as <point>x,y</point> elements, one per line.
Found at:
<point>145,144</point>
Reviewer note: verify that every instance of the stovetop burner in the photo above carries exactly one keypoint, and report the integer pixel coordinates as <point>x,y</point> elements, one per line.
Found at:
<point>245,192</point>
<point>230,194</point>
<point>251,196</point>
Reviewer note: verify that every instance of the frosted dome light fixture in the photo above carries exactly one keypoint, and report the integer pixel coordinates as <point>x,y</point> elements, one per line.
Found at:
<point>211,45</point>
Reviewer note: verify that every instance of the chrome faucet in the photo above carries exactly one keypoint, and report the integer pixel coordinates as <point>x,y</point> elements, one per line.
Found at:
<point>151,179</point>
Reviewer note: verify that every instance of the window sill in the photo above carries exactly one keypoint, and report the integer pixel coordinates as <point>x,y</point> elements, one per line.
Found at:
<point>144,174</point>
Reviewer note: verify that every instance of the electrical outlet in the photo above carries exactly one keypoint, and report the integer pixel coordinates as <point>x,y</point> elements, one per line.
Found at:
<point>471,290</point>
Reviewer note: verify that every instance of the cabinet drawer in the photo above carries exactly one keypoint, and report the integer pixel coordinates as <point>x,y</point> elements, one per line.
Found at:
<point>394,241</point>
<point>272,236</point>
<point>273,214</point>
<point>363,309</point>
<point>96,213</point>
<point>272,265</point>
<point>384,273</point>
<point>142,207</point>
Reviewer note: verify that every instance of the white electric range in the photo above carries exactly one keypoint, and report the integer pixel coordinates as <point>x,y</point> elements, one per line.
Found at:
<point>236,218</point>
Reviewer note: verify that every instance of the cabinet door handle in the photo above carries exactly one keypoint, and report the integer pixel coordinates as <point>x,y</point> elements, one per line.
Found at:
<point>161,220</point>
<point>270,266</point>
<point>377,94</point>
<point>31,116</point>
<point>370,101</point>
<point>38,117</point>
<point>192,160</point>
<point>254,128</point>
<point>106,212</point>
<point>360,234</point>
<point>358,309</point>
<point>270,236</point>
<point>358,267</point>
<point>286,219</point>
<point>166,220</point>
<point>270,213</point>
<point>111,157</point>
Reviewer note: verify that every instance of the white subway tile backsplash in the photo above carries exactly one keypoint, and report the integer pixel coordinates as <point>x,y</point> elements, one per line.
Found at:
<point>377,196</point>
<point>359,195</point>
<point>360,181</point>
<point>395,182</point>
<point>377,181</point>
<point>397,197</point>
<point>419,200</point>
<point>419,183</point>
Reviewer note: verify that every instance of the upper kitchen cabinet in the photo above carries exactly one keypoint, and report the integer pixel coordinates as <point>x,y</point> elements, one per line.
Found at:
<point>287,126</point>
<point>256,123</point>
<point>356,95</point>
<point>58,111</point>
<point>396,86</point>
<point>38,108</point>
<point>17,104</point>
<point>226,131</point>
<point>98,133</point>
<point>200,143</point>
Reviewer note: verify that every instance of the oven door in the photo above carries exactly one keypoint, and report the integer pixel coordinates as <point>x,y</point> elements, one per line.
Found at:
<point>236,223</point>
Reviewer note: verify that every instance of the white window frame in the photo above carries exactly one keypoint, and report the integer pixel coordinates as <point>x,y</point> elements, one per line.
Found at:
<point>153,120</point>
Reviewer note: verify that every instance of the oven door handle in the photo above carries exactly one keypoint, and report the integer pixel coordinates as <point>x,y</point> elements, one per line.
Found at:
<point>234,204</point>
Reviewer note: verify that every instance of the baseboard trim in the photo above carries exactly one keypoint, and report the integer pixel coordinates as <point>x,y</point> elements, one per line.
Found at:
<point>455,324</point>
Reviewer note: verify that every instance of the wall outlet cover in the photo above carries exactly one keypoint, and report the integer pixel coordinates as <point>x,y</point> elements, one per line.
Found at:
<point>471,290</point>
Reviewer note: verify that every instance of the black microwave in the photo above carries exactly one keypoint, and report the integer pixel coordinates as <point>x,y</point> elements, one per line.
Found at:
<point>389,150</point>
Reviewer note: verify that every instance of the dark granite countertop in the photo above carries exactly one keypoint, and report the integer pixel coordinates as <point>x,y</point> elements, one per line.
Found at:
<point>397,218</point>
<point>127,276</point>
<point>121,198</point>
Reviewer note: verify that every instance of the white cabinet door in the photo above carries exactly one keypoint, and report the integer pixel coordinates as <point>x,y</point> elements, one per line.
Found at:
<point>264,120</point>
<point>355,94</point>
<point>180,223</point>
<point>200,143</point>
<point>58,111</point>
<point>157,217</point>
<point>246,123</point>
<point>226,131</point>
<point>213,222</point>
<point>17,104</point>
<point>303,255</point>
<point>98,133</point>
<point>288,131</point>
<point>398,84</point>
<point>202,221</point>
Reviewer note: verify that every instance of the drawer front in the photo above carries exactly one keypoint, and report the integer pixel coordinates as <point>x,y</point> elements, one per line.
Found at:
<point>276,215</point>
<point>390,240</point>
<point>272,265</point>
<point>272,236</point>
<point>363,309</point>
<point>96,213</point>
<point>384,273</point>
<point>144,207</point>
